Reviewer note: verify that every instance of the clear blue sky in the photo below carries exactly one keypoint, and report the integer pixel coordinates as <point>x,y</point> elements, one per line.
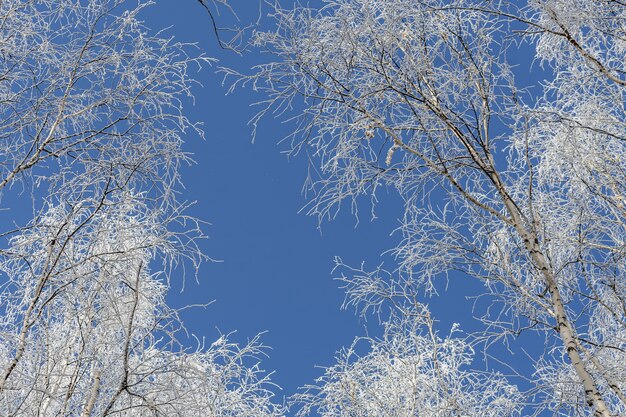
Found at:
<point>276,270</point>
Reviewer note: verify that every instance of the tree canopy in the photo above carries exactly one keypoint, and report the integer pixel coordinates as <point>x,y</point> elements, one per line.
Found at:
<point>513,182</point>
<point>518,186</point>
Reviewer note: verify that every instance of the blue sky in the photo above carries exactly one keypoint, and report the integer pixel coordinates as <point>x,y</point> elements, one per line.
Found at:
<point>276,271</point>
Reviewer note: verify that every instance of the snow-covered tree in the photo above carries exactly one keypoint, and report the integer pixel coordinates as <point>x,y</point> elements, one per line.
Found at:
<point>91,125</point>
<point>86,330</point>
<point>410,371</point>
<point>516,182</point>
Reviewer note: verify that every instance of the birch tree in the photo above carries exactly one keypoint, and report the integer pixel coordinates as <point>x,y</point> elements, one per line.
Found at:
<point>91,131</point>
<point>86,330</point>
<point>409,371</point>
<point>518,186</point>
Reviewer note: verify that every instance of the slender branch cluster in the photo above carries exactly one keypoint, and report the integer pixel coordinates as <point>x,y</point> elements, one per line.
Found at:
<point>410,371</point>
